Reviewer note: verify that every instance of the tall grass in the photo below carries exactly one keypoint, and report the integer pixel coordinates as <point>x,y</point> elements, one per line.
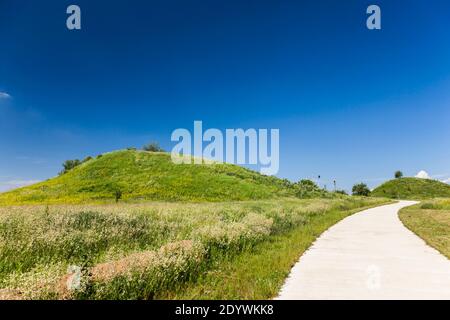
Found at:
<point>134,251</point>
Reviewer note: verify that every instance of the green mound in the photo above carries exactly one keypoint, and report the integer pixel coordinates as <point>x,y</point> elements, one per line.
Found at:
<point>149,176</point>
<point>412,188</point>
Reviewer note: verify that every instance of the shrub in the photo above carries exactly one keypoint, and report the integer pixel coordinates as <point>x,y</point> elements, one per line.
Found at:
<point>118,195</point>
<point>308,185</point>
<point>398,174</point>
<point>432,206</point>
<point>426,205</point>
<point>306,188</point>
<point>69,165</point>
<point>360,189</point>
<point>153,147</point>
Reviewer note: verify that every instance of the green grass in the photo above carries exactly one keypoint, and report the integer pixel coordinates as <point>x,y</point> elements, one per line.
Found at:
<point>260,272</point>
<point>145,250</point>
<point>201,218</point>
<point>412,188</point>
<point>141,175</point>
<point>430,220</point>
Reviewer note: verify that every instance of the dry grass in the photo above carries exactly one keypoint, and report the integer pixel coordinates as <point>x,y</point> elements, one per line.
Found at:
<point>430,220</point>
<point>136,251</point>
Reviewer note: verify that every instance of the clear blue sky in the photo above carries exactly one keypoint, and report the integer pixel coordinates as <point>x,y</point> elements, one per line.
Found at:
<point>351,104</point>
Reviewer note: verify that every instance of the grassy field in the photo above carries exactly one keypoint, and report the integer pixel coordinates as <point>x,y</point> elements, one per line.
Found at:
<point>67,238</point>
<point>412,188</point>
<point>140,175</point>
<point>430,220</point>
<point>145,251</point>
<point>260,272</point>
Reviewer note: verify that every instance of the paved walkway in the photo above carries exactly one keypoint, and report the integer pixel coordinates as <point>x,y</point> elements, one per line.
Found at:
<point>370,255</point>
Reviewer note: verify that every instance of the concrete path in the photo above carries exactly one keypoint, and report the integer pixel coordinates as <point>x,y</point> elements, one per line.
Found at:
<point>370,255</point>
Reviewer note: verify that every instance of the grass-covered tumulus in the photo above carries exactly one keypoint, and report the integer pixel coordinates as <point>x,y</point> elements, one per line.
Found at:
<point>412,188</point>
<point>141,175</point>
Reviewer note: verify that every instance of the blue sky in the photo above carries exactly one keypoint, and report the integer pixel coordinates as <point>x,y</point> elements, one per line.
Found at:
<point>351,104</point>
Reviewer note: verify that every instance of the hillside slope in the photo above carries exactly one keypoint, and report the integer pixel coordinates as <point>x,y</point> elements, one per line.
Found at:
<point>412,188</point>
<point>152,176</point>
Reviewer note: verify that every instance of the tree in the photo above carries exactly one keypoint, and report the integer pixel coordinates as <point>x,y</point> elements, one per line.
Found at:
<point>69,165</point>
<point>398,174</point>
<point>118,195</point>
<point>153,147</point>
<point>360,189</point>
<point>306,188</point>
<point>307,185</point>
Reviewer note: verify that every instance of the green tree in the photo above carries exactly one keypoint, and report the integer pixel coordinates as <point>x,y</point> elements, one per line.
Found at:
<point>398,174</point>
<point>153,147</point>
<point>360,189</point>
<point>69,165</point>
<point>306,188</point>
<point>307,184</point>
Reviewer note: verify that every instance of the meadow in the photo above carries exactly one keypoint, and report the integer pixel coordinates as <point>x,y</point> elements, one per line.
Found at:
<point>430,220</point>
<point>147,250</point>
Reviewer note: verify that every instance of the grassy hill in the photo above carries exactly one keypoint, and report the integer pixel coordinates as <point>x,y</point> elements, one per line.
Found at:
<point>151,176</point>
<point>412,188</point>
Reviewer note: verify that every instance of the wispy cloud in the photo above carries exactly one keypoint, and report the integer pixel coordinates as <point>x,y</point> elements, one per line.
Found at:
<point>446,181</point>
<point>14,184</point>
<point>4,95</point>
